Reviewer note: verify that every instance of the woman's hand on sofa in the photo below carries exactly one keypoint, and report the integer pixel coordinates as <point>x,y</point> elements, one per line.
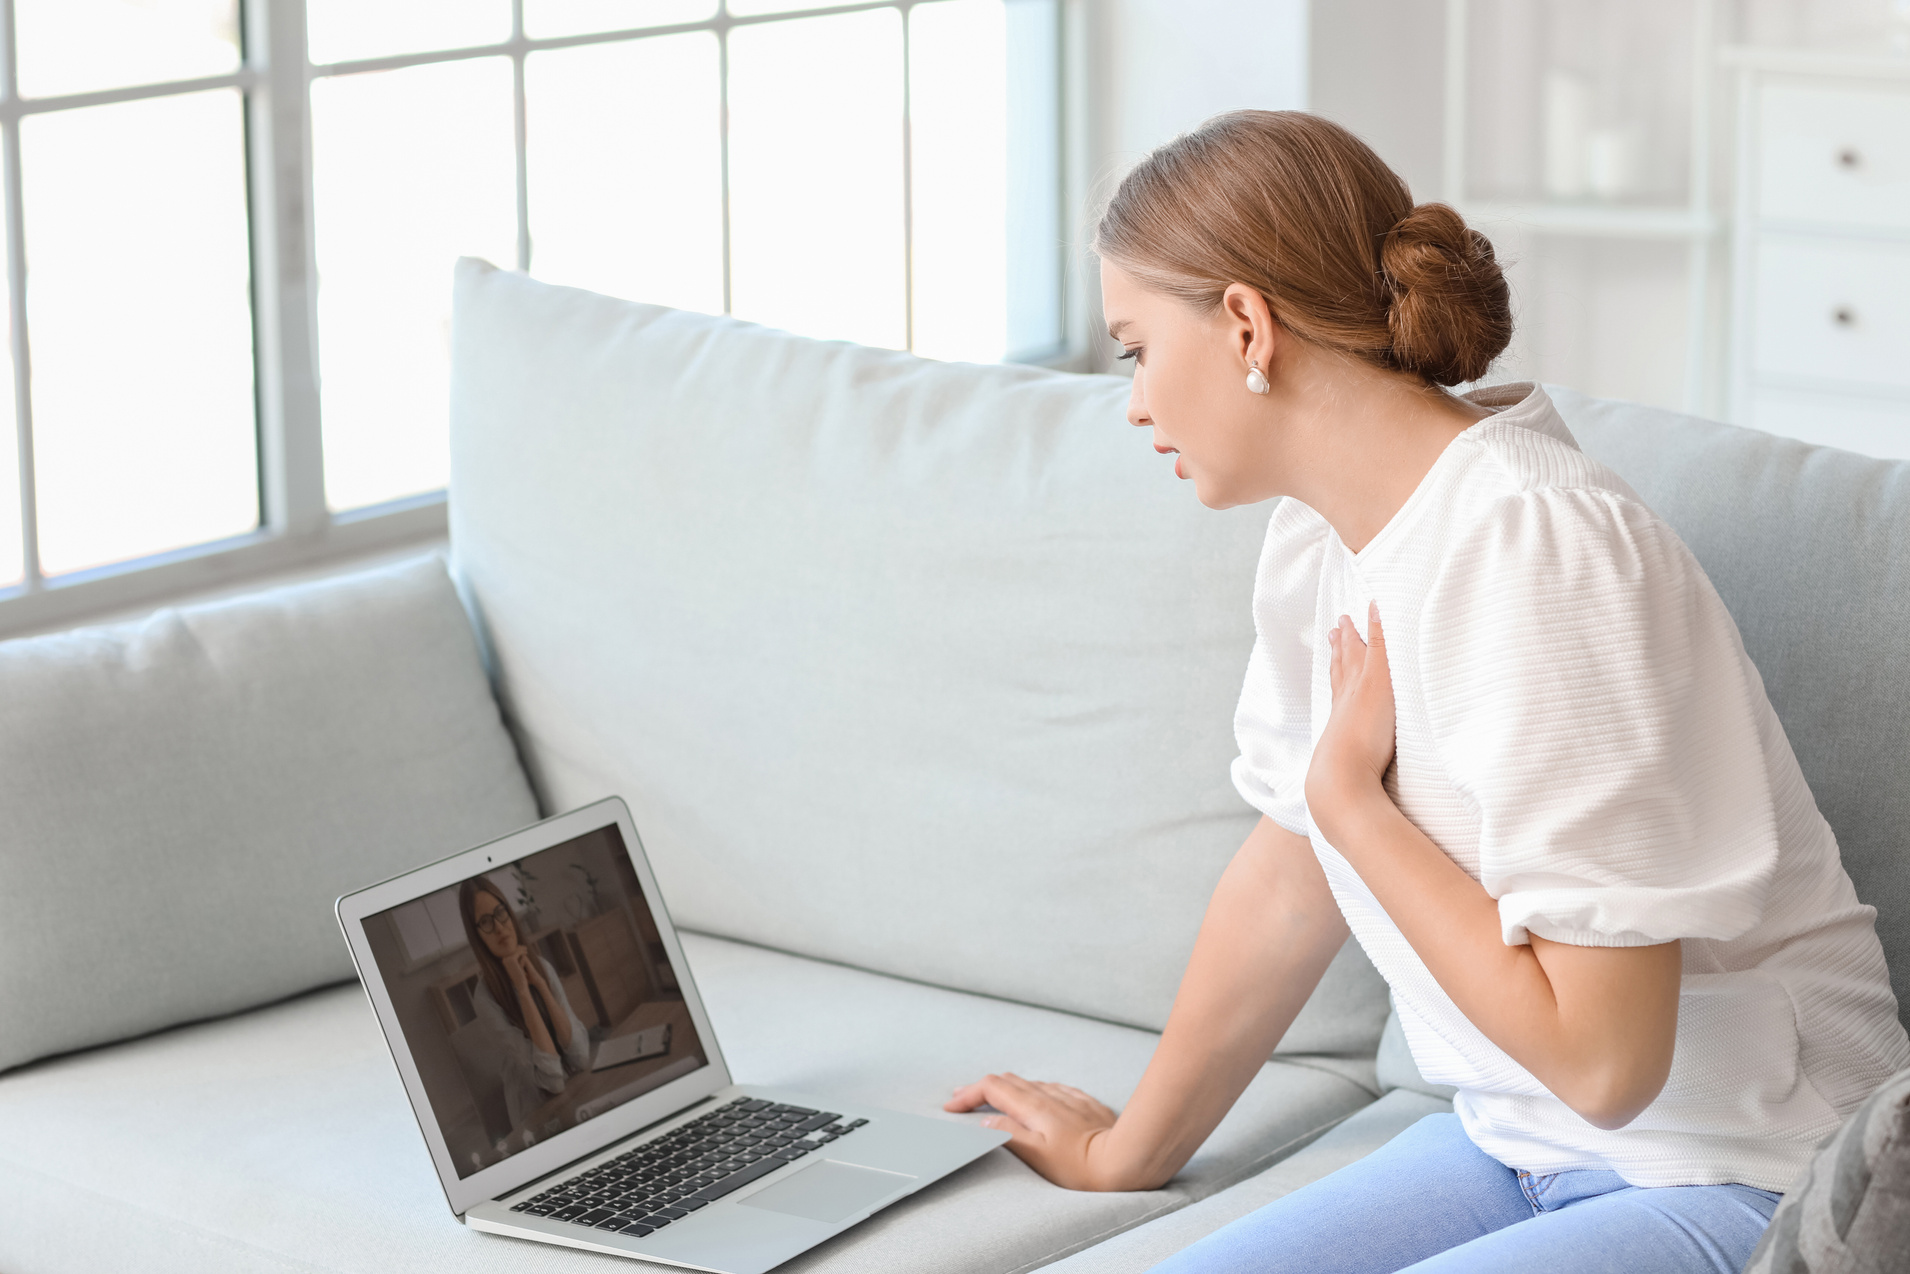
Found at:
<point>1270,931</point>
<point>1055,1128</point>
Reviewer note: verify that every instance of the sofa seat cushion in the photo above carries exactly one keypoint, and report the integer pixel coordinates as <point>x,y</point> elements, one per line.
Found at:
<point>1143,1247</point>
<point>280,1140</point>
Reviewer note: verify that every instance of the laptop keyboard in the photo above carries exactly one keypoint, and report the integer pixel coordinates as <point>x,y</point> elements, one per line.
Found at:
<point>689,1167</point>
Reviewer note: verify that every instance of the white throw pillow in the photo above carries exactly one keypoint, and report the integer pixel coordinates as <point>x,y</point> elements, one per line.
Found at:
<point>183,799</point>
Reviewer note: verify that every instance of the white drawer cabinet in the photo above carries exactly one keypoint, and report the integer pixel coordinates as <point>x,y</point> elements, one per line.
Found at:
<point>1834,156</point>
<point>1874,426</point>
<point>1820,341</point>
<point>1833,310</point>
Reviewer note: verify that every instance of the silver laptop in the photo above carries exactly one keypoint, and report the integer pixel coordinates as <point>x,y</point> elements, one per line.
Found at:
<point>566,1078</point>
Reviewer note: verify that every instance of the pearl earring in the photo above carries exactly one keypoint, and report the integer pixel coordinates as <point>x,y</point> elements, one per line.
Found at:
<point>1256,379</point>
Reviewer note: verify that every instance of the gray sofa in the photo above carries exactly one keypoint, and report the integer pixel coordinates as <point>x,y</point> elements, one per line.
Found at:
<point>918,679</point>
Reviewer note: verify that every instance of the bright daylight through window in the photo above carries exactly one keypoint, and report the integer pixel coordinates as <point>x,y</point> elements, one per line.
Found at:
<point>230,228</point>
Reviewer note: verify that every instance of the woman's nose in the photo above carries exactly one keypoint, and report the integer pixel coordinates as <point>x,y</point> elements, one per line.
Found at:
<point>1137,405</point>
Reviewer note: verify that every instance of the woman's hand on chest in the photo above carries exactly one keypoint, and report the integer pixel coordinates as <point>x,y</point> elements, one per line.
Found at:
<point>1350,760</point>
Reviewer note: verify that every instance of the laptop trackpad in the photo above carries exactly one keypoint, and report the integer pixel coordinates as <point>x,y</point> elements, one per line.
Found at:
<point>829,1191</point>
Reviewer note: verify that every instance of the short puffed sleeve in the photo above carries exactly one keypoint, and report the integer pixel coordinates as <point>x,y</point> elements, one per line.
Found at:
<point>1590,698</point>
<point>1273,723</point>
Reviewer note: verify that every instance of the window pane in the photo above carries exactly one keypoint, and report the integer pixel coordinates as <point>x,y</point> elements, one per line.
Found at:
<point>141,324</point>
<point>346,30</point>
<point>625,158</point>
<point>1035,233</point>
<point>575,17</point>
<point>76,46</point>
<point>746,7</point>
<point>12,559</point>
<point>958,118</point>
<point>816,176</point>
<point>411,169</point>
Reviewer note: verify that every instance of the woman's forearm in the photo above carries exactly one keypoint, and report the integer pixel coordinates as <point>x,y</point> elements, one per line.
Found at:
<point>1269,933</point>
<point>1595,1025</point>
<point>559,1013</point>
<point>533,1020</point>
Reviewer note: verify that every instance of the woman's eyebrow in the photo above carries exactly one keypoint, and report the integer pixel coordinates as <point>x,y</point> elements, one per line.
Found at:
<point>1116,328</point>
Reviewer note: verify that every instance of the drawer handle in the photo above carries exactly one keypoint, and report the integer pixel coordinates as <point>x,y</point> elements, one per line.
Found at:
<point>1844,316</point>
<point>1850,158</point>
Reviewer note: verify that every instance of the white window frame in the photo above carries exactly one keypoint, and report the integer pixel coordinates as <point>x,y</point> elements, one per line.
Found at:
<point>296,528</point>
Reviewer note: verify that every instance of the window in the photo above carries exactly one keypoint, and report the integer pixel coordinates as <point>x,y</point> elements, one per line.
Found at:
<point>230,226</point>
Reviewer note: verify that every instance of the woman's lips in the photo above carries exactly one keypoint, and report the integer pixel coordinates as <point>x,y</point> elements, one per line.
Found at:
<point>1174,452</point>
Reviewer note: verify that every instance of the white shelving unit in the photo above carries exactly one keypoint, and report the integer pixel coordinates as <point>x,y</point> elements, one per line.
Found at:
<point>1667,199</point>
<point>1820,314</point>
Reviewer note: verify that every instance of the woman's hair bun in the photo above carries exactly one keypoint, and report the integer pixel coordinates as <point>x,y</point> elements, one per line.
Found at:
<point>1450,312</point>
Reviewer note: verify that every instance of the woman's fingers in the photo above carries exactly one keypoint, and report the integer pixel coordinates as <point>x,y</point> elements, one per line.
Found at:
<point>1030,1105</point>
<point>1348,657</point>
<point>1021,1100</point>
<point>1017,1134</point>
<point>1004,1092</point>
<point>1352,653</point>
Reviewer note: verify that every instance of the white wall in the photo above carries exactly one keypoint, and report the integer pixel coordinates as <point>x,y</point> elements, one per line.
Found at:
<point>1169,64</point>
<point>1148,70</point>
<point>1145,71</point>
<point>1377,67</point>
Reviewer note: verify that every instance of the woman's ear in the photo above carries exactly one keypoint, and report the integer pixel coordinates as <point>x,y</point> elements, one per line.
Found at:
<point>1254,331</point>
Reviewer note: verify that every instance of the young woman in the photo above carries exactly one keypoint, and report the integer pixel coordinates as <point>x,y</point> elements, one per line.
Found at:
<point>521,1001</point>
<point>1500,726</point>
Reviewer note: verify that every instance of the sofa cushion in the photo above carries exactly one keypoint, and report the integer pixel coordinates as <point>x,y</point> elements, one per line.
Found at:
<point>182,799</point>
<point>1394,1066</point>
<point>1810,549</point>
<point>929,668</point>
<point>280,1140</point>
<point>1143,1247</point>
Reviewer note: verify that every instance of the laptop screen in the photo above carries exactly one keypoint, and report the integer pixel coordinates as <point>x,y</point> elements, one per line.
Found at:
<point>534,997</point>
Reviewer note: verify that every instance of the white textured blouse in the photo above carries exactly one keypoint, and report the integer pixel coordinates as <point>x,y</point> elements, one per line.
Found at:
<point>1580,729</point>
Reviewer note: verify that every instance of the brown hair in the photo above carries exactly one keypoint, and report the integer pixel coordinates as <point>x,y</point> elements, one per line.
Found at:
<point>490,968</point>
<point>1302,211</point>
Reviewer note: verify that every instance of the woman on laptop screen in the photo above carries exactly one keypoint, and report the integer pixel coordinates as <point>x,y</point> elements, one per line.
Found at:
<point>521,1002</point>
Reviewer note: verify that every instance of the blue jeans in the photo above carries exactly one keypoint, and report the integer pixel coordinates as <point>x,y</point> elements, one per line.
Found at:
<point>1432,1202</point>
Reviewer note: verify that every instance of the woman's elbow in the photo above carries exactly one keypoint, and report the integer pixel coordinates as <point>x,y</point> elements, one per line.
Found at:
<point>1612,1095</point>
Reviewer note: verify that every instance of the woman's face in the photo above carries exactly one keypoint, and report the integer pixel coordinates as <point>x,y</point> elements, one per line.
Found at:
<point>494,925</point>
<point>1190,389</point>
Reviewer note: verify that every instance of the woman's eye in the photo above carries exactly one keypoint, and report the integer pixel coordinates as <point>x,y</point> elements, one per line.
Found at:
<point>1134,353</point>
